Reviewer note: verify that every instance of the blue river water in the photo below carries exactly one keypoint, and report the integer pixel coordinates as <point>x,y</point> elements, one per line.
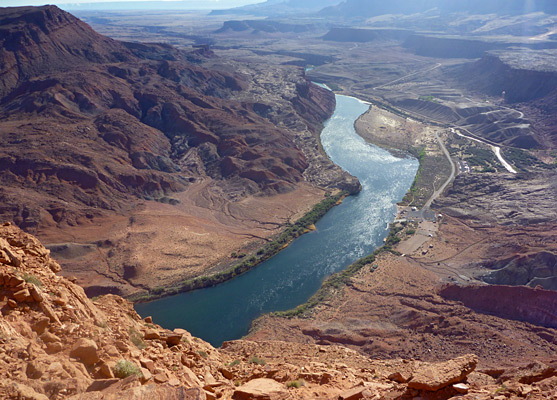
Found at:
<point>348,232</point>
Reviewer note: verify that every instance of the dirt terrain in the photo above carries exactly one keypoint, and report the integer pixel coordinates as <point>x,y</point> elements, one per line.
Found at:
<point>58,344</point>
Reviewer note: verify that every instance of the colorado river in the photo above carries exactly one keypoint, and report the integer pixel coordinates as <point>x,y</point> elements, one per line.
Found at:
<point>348,232</point>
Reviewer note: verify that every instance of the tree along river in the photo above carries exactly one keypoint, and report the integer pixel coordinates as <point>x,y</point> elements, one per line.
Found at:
<point>348,232</point>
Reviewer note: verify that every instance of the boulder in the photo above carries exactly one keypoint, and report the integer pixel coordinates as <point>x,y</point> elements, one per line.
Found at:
<point>22,295</point>
<point>400,376</point>
<point>40,325</point>
<point>260,389</point>
<point>36,294</point>
<point>47,310</point>
<point>34,370</point>
<point>152,334</point>
<point>173,339</point>
<point>433,377</point>
<point>106,369</point>
<point>86,351</point>
<point>356,393</point>
<point>161,377</point>
<point>145,375</point>
<point>461,388</point>
<point>54,347</point>
<point>48,337</point>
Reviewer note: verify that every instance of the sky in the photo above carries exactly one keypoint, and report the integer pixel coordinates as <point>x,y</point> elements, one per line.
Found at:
<point>194,4</point>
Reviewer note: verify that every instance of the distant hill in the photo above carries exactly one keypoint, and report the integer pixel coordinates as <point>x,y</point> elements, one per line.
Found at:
<point>371,8</point>
<point>88,123</point>
<point>275,8</point>
<point>154,5</point>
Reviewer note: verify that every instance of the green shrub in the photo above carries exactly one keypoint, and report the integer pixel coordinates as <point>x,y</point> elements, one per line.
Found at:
<point>32,279</point>
<point>295,384</point>
<point>125,368</point>
<point>257,360</point>
<point>233,363</point>
<point>203,354</point>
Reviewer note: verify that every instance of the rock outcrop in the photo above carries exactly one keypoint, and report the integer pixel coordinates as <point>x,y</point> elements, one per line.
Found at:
<point>159,121</point>
<point>533,305</point>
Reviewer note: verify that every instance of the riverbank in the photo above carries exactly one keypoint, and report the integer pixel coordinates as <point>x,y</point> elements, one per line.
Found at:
<point>354,229</point>
<point>249,261</point>
<point>398,133</point>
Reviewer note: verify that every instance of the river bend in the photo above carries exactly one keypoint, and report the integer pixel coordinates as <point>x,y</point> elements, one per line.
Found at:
<point>348,232</point>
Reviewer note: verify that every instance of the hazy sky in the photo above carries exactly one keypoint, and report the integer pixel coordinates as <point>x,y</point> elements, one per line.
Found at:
<point>209,4</point>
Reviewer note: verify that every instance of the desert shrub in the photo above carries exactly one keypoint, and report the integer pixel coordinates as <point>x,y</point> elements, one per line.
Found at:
<point>125,368</point>
<point>257,360</point>
<point>295,384</point>
<point>137,339</point>
<point>29,278</point>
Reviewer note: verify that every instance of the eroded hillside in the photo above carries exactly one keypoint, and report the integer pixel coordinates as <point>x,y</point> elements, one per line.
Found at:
<point>110,145</point>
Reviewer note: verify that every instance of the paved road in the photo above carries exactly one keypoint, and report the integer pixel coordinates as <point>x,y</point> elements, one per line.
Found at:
<point>496,149</point>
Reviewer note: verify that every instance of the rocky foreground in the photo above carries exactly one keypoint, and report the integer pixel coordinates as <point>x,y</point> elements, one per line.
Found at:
<point>58,344</point>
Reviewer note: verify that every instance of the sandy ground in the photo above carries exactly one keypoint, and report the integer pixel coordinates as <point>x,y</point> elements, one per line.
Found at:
<point>418,241</point>
<point>387,129</point>
<point>161,243</point>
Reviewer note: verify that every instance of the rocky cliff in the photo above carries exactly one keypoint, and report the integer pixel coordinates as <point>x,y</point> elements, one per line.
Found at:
<point>536,306</point>
<point>58,344</point>
<point>159,121</point>
<point>94,129</point>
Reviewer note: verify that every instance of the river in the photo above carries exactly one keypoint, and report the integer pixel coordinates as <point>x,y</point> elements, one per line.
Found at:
<point>348,232</point>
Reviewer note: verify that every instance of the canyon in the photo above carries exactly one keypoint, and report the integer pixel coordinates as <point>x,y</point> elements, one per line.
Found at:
<point>145,165</point>
<point>184,140</point>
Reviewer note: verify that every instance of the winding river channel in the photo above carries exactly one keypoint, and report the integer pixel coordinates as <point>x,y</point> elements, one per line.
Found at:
<point>348,232</point>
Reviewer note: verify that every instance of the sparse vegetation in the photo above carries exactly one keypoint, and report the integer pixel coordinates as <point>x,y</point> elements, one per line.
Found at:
<point>203,354</point>
<point>523,160</point>
<point>500,389</point>
<point>137,339</point>
<point>30,278</point>
<point>295,384</point>
<point>125,368</point>
<point>257,360</point>
<point>429,98</point>
<point>479,157</point>
<point>233,363</point>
